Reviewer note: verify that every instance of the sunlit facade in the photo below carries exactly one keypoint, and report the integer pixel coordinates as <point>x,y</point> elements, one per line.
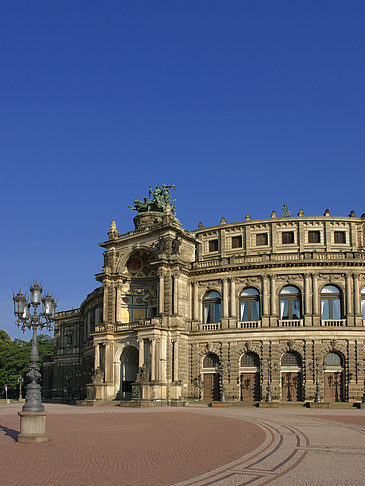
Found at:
<point>278,301</point>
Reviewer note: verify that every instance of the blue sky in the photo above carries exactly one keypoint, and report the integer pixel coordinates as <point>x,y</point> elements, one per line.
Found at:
<point>243,105</point>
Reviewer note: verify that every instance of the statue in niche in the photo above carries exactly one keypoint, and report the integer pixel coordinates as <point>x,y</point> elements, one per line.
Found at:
<point>98,376</point>
<point>176,245</point>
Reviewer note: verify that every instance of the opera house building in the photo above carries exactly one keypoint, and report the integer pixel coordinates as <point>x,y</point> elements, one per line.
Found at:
<point>268,310</point>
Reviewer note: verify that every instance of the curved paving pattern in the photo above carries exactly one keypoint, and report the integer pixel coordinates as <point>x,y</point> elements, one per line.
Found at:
<point>224,447</point>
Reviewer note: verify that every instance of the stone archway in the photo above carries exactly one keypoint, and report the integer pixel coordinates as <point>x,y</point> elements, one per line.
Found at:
<point>128,371</point>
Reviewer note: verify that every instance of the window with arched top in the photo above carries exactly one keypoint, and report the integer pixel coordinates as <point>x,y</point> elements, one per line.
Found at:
<point>290,302</point>
<point>212,307</point>
<point>249,304</point>
<point>333,359</point>
<point>363,303</point>
<point>291,358</point>
<point>331,303</point>
<point>250,359</point>
<point>210,361</point>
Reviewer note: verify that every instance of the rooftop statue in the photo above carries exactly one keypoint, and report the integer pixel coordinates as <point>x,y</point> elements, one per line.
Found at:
<point>285,212</point>
<point>160,197</point>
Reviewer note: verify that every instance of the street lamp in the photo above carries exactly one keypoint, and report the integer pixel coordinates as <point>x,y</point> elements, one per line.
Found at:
<point>20,381</point>
<point>269,379</point>
<point>27,320</point>
<point>315,368</point>
<point>220,370</point>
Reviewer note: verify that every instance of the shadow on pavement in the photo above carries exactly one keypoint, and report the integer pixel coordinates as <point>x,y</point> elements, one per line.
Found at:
<point>10,432</point>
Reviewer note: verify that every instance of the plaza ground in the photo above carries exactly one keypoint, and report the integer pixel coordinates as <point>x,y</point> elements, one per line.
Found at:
<point>186,447</point>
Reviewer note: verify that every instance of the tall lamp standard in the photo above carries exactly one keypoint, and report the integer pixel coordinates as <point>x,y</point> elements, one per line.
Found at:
<point>33,416</point>
<point>315,367</point>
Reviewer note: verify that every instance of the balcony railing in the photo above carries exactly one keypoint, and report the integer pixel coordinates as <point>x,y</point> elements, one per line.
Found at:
<point>290,323</point>
<point>210,327</point>
<point>248,324</point>
<point>333,322</point>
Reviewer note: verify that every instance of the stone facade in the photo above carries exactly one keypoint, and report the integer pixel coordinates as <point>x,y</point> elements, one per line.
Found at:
<point>238,308</point>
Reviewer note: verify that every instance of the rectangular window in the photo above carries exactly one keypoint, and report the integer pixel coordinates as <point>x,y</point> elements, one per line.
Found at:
<point>314,236</point>
<point>236,241</point>
<point>261,239</point>
<point>213,245</point>
<point>287,237</point>
<point>340,237</point>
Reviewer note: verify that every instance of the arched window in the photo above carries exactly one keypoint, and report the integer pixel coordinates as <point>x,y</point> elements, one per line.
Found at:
<point>333,359</point>
<point>250,359</point>
<point>212,307</point>
<point>249,305</point>
<point>363,303</point>
<point>331,307</point>
<point>210,361</point>
<point>291,358</point>
<point>290,307</point>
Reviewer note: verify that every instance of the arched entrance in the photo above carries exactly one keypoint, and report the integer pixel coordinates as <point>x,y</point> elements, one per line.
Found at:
<point>128,371</point>
<point>334,390</point>
<point>291,377</point>
<point>210,377</point>
<point>250,377</point>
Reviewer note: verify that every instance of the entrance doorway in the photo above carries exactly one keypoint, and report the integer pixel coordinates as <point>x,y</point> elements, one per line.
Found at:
<point>211,389</point>
<point>128,371</point>
<point>334,390</point>
<point>291,377</point>
<point>211,386</point>
<point>250,377</point>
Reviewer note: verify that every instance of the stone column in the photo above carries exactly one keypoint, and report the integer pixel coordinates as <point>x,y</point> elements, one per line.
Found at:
<point>96,356</point>
<point>307,296</point>
<point>233,298</point>
<point>225,298</point>
<point>196,301</point>
<point>141,352</point>
<point>118,303</point>
<point>357,304</point>
<point>315,295</point>
<point>108,367</point>
<point>176,294</point>
<point>176,361</point>
<point>161,293</point>
<point>349,298</point>
<point>97,316</point>
<point>153,359</point>
<point>265,296</point>
<point>105,302</point>
<point>273,296</point>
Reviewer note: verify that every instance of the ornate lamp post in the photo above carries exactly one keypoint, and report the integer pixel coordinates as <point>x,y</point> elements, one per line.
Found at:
<point>269,380</point>
<point>220,370</point>
<point>315,367</point>
<point>20,381</point>
<point>32,426</point>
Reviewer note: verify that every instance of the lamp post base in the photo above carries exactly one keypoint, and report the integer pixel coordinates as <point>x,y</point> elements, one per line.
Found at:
<point>32,427</point>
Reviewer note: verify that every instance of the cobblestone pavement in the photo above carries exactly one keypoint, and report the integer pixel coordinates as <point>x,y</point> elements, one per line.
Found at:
<point>186,447</point>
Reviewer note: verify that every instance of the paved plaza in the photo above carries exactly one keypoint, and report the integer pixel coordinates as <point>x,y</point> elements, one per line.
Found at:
<point>186,447</point>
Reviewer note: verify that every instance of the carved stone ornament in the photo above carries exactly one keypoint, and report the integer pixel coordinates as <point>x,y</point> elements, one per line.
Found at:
<point>249,347</point>
<point>98,376</point>
<point>211,348</point>
<point>291,346</point>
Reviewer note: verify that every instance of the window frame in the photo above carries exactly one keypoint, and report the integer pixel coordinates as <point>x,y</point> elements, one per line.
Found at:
<point>236,238</point>
<point>331,297</point>
<point>287,233</point>
<point>290,297</point>
<point>210,242</point>
<point>266,239</point>
<point>338,233</point>
<point>211,303</point>
<point>250,299</point>
<point>312,233</point>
